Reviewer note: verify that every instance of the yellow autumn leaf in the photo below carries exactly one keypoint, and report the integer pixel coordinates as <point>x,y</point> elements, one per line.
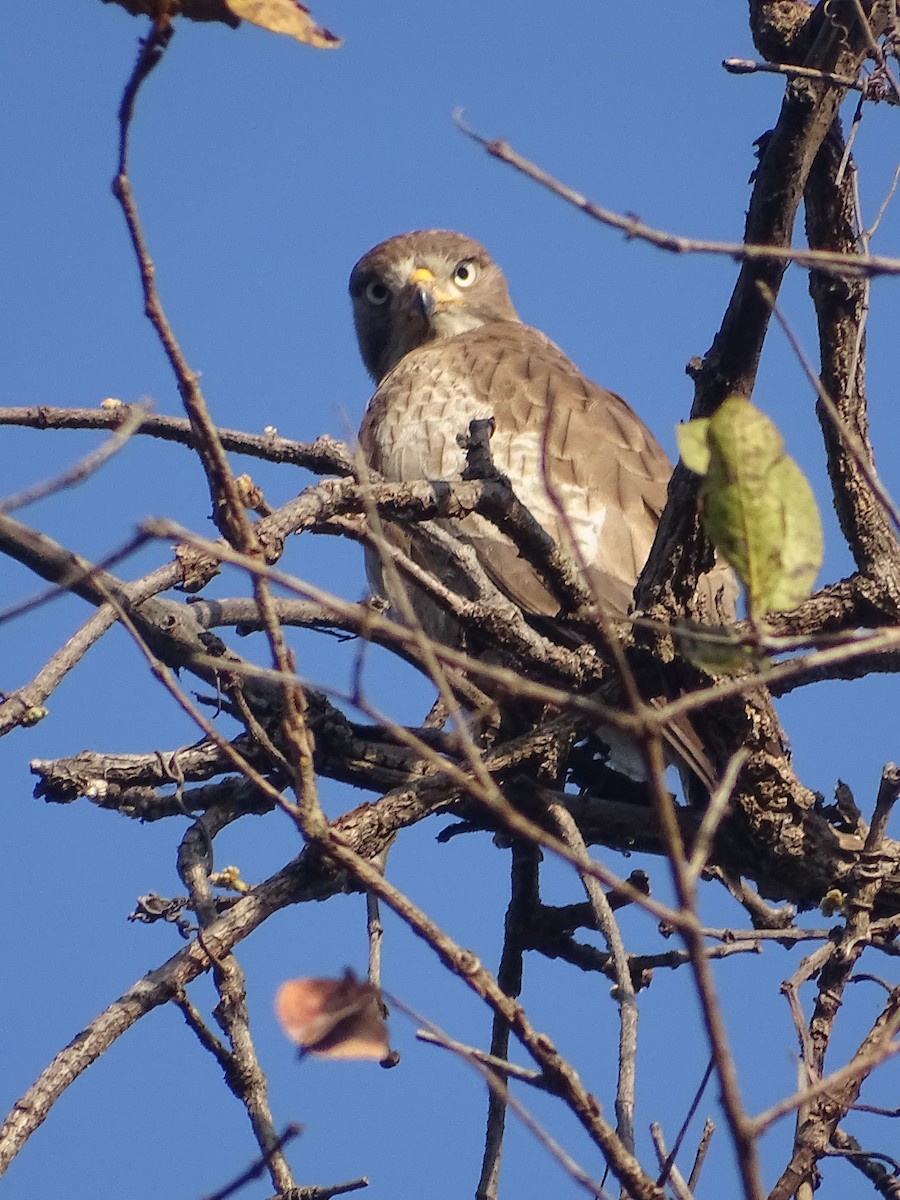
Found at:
<point>285,16</point>
<point>758,509</point>
<point>278,16</point>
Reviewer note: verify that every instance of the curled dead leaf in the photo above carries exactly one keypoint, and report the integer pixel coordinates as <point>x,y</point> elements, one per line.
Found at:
<point>286,16</point>
<point>333,1018</point>
<point>278,16</point>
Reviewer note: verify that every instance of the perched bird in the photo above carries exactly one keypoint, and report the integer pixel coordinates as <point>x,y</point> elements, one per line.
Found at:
<point>440,337</point>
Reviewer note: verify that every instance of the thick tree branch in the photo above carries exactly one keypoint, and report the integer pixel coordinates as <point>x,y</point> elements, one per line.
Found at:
<point>841,306</point>
<point>729,367</point>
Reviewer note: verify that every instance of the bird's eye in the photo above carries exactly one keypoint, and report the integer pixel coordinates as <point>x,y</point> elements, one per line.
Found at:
<point>465,274</point>
<point>377,292</point>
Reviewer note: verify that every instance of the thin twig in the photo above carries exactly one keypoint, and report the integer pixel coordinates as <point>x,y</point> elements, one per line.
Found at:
<point>673,1175</point>
<point>561,1078</point>
<point>851,1073</point>
<point>523,898</point>
<point>501,1065</point>
<point>715,813</point>
<point>324,456</point>
<point>257,1168</point>
<point>846,265</point>
<point>228,510</point>
<point>682,1132</point>
<point>817,1122</point>
<point>624,990</point>
<point>494,1080</point>
<point>857,450</point>
<point>375,932</point>
<point>243,1074</point>
<point>746,66</point>
<point>685,890</point>
<point>82,469</point>
<point>874,47</point>
<point>709,1128</point>
<point>869,233</point>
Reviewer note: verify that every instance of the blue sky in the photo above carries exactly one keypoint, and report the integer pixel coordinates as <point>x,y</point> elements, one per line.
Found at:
<point>262,170</point>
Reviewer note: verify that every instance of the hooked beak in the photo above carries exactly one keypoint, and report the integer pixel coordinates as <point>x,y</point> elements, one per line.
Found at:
<point>426,298</point>
<point>423,301</point>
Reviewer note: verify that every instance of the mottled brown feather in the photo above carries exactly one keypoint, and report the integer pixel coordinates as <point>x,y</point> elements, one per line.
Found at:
<point>550,422</point>
<point>471,357</point>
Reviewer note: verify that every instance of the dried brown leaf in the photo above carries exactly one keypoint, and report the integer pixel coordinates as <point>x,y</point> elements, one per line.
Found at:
<point>286,16</point>
<point>278,16</point>
<point>333,1018</point>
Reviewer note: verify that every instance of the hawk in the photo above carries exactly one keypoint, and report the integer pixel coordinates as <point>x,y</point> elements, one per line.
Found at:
<point>440,337</point>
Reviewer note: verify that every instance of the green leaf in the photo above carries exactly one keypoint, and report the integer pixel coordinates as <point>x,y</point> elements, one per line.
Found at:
<point>758,509</point>
<point>717,649</point>
<point>693,444</point>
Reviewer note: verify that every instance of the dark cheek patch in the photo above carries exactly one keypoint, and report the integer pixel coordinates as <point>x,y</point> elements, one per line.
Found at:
<point>372,345</point>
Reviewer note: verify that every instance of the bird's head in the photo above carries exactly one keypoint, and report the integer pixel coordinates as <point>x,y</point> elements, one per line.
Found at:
<point>420,287</point>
